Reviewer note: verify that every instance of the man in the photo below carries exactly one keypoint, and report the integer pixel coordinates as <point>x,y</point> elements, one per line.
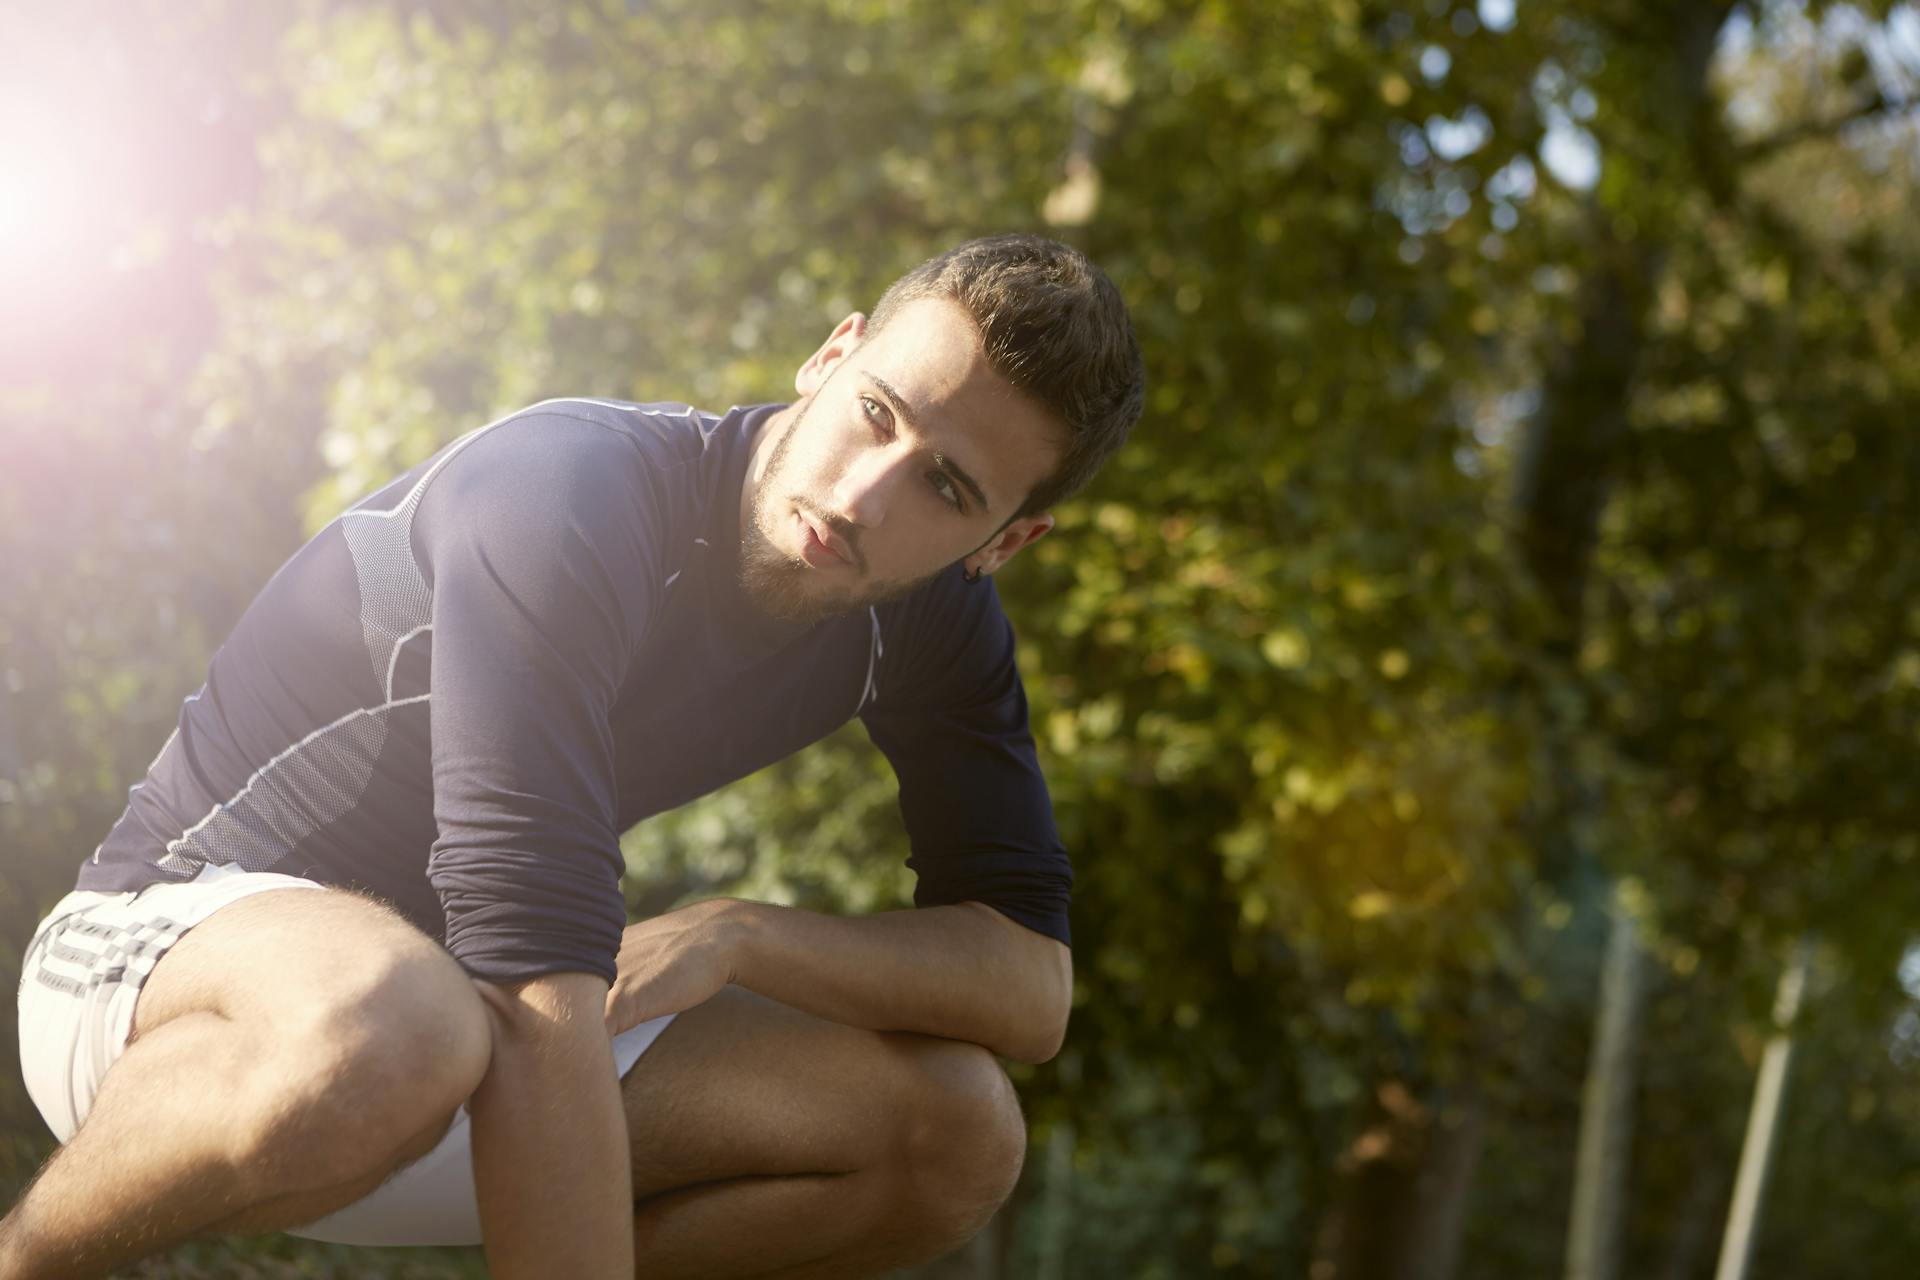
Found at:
<point>323,944</point>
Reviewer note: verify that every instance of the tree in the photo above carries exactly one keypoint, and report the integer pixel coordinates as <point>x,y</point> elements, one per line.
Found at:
<point>1494,538</point>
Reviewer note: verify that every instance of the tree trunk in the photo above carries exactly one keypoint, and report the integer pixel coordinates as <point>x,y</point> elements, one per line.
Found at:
<point>1569,457</point>
<point>1400,1210</point>
<point>1439,1219</point>
<point>1054,1196</point>
<point>1692,1223</point>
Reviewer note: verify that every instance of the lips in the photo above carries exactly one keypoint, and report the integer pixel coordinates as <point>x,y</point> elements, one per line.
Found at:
<point>820,540</point>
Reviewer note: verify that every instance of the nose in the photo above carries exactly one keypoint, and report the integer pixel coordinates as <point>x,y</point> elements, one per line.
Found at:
<point>866,487</point>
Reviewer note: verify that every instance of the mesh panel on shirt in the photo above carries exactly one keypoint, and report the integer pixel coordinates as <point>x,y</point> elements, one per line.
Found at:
<point>307,786</point>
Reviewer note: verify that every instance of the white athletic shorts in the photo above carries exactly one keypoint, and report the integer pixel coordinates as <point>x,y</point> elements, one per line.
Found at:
<point>80,977</point>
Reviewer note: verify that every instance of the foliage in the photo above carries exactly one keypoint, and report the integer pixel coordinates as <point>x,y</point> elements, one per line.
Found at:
<point>1313,737</point>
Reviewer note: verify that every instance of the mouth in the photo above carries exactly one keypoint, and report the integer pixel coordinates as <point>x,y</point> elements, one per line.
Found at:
<point>820,548</point>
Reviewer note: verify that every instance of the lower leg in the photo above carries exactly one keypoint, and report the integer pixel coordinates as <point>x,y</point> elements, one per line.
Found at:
<point>768,1142</point>
<point>300,1207</point>
<point>809,1226</point>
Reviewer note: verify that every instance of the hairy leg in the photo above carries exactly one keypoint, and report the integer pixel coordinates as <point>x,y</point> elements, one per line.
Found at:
<point>767,1141</point>
<point>288,1052</point>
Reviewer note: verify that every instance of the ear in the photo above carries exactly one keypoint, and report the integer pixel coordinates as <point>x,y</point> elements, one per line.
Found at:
<point>1023,532</point>
<point>809,377</point>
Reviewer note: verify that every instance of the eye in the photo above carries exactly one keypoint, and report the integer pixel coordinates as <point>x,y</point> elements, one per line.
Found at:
<point>944,486</point>
<point>876,415</point>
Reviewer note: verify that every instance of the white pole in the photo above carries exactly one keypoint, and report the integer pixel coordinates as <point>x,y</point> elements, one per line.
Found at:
<point>1736,1247</point>
<point>1606,1108</point>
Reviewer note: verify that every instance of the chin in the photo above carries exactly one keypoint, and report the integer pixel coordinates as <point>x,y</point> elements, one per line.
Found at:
<point>780,585</point>
<point>789,590</point>
<point>784,603</point>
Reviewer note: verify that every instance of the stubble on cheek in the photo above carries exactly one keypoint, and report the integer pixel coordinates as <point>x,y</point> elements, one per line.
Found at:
<point>774,582</point>
<point>770,578</point>
<point>790,590</point>
<point>781,584</point>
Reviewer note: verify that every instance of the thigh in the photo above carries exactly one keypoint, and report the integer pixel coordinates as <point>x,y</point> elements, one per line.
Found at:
<point>336,1039</point>
<point>341,1025</point>
<point>285,952</point>
<point>744,1085</point>
<point>91,964</point>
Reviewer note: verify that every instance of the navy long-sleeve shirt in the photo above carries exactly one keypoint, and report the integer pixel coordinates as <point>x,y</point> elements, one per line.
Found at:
<point>460,692</point>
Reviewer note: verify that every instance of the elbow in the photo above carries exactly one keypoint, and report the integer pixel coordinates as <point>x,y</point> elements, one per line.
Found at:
<point>1050,1023</point>
<point>1030,1043</point>
<point>1048,1049</point>
<point>1041,980</point>
<point>1038,1035</point>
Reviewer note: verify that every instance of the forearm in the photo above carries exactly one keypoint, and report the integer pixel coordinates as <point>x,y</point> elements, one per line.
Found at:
<point>551,1162</point>
<point>965,972</point>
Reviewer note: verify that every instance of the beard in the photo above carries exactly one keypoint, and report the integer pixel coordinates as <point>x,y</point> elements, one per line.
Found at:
<point>786,587</point>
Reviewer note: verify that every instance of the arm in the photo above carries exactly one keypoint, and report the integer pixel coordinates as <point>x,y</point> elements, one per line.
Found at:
<point>550,1157</point>
<point>985,957</point>
<point>538,568</point>
<point>963,971</point>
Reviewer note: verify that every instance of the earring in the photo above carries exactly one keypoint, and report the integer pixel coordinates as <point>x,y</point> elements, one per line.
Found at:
<point>972,575</point>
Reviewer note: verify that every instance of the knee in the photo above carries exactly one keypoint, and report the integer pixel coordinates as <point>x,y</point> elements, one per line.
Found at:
<point>365,1063</point>
<point>965,1138</point>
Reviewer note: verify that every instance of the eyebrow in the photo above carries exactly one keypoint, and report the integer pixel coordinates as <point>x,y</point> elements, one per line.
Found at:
<point>899,403</point>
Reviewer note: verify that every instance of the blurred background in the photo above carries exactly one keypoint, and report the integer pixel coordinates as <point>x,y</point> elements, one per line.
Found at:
<point>1482,702</point>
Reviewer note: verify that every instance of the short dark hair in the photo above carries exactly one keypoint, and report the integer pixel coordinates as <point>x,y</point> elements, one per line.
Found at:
<point>1055,328</point>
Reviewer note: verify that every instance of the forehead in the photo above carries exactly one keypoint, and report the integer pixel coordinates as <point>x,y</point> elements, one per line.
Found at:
<point>932,355</point>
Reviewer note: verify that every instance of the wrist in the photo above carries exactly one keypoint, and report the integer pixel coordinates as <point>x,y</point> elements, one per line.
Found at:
<point>730,928</point>
<point>740,931</point>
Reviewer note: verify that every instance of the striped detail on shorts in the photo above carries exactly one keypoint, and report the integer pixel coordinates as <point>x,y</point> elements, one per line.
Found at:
<point>78,955</point>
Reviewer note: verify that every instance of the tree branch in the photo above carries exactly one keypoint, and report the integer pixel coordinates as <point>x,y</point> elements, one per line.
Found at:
<point>1877,107</point>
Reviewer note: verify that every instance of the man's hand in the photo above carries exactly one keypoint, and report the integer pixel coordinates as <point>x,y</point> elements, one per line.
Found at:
<point>669,964</point>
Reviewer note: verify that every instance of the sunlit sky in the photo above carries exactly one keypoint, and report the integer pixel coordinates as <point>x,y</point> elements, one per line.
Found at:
<point>112,147</point>
<point>63,136</point>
